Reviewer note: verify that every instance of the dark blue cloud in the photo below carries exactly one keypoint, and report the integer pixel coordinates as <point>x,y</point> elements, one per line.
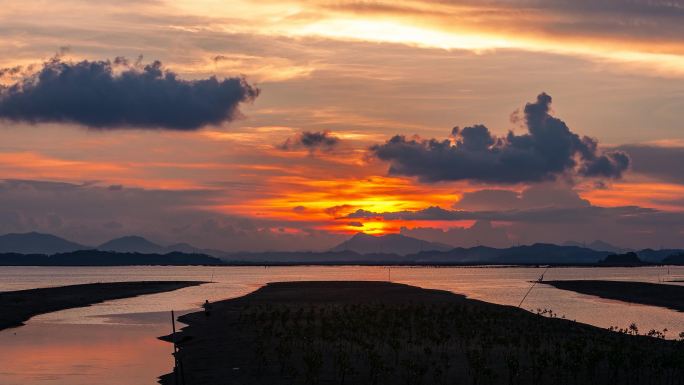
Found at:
<point>548,150</point>
<point>312,141</point>
<point>118,94</point>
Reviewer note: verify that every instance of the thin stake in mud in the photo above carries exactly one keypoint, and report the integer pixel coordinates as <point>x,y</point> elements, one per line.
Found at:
<point>540,279</point>
<point>177,364</point>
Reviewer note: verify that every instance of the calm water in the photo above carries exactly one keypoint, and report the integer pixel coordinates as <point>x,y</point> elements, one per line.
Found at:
<point>115,342</point>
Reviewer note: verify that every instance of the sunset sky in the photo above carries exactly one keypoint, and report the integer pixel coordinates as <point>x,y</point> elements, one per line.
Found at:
<point>292,125</point>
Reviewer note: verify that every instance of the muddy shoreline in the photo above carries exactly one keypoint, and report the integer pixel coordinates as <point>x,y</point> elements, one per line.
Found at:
<point>19,306</point>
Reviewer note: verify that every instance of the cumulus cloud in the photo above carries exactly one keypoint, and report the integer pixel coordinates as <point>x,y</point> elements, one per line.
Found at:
<point>118,94</point>
<point>548,150</point>
<point>312,141</point>
<point>11,71</point>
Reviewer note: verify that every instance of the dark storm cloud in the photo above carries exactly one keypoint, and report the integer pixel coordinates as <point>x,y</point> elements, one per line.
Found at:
<point>312,141</point>
<point>548,150</point>
<point>658,162</point>
<point>118,94</point>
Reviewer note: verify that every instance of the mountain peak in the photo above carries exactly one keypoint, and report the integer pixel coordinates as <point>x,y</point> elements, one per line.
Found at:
<point>388,244</point>
<point>132,244</point>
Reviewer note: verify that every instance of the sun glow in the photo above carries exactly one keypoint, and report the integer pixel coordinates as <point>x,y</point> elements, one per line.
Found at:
<point>326,203</point>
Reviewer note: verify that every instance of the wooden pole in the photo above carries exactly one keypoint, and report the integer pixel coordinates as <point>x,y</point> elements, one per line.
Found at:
<point>175,348</point>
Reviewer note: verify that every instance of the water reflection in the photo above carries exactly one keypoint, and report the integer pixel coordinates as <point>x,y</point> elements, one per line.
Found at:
<point>62,353</point>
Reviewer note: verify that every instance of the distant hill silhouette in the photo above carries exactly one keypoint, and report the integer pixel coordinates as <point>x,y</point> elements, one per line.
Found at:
<point>138,244</point>
<point>657,256</point>
<point>388,244</point>
<point>534,254</point>
<point>132,244</point>
<point>106,258</point>
<point>359,249</point>
<point>540,253</point>
<point>598,245</point>
<point>675,259</point>
<point>36,243</point>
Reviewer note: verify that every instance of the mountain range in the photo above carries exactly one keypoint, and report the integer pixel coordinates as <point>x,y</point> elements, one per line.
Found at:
<point>38,243</point>
<point>360,248</point>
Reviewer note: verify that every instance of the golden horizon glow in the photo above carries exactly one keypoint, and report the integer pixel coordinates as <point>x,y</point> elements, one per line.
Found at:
<point>434,26</point>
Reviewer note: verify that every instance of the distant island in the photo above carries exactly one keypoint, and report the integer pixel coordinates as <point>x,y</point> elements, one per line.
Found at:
<point>35,249</point>
<point>626,259</point>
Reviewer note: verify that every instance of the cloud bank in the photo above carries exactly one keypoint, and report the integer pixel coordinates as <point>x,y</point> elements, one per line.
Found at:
<point>549,149</point>
<point>91,214</point>
<point>537,196</point>
<point>659,162</point>
<point>539,214</point>
<point>117,94</point>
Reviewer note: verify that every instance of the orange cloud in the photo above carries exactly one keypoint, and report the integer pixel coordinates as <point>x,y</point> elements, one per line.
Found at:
<point>655,195</point>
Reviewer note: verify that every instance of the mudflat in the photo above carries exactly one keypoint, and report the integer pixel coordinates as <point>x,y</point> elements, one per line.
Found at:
<point>663,295</point>
<point>16,307</point>
<point>385,333</point>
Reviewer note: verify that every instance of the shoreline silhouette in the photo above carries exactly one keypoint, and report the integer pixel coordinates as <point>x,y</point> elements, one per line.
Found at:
<point>19,306</point>
<point>668,296</point>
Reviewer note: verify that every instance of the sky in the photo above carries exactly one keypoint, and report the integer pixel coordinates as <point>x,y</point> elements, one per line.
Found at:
<point>294,124</point>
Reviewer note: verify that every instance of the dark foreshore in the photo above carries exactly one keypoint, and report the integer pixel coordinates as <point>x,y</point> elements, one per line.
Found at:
<point>16,307</point>
<point>384,333</point>
<point>663,295</point>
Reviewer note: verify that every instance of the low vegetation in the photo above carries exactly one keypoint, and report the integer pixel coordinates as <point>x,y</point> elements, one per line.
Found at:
<point>372,341</point>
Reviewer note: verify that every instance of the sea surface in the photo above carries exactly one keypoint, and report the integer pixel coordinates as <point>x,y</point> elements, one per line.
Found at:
<point>116,342</point>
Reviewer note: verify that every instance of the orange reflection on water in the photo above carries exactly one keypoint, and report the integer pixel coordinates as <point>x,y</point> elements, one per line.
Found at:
<point>47,353</point>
